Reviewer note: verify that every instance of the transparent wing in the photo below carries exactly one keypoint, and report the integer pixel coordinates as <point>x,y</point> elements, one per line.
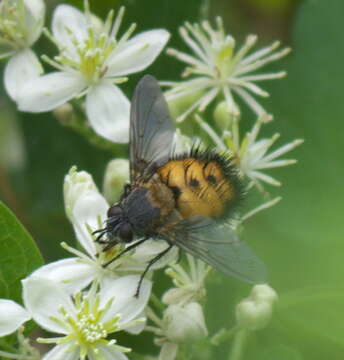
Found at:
<point>151,128</point>
<point>220,247</point>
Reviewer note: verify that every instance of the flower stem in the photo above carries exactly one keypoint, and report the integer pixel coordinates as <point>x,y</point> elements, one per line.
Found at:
<point>157,303</point>
<point>73,117</point>
<point>239,343</point>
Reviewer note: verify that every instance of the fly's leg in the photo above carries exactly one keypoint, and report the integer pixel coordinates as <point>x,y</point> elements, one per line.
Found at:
<point>130,247</point>
<point>149,265</point>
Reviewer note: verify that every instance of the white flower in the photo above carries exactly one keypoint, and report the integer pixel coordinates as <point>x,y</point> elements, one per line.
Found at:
<point>92,60</point>
<point>86,320</point>
<point>12,316</point>
<point>252,154</point>
<point>189,283</point>
<point>87,210</point>
<point>21,23</point>
<point>249,153</point>
<point>255,311</point>
<point>221,70</point>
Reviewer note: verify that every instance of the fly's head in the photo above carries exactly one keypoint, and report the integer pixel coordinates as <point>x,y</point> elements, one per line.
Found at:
<point>118,229</point>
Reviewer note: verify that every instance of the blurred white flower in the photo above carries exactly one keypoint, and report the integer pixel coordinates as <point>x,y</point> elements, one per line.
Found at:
<point>85,321</point>
<point>87,210</point>
<point>92,61</point>
<point>221,70</point>
<point>21,24</point>
<point>255,311</point>
<point>189,282</point>
<point>12,316</point>
<point>115,177</point>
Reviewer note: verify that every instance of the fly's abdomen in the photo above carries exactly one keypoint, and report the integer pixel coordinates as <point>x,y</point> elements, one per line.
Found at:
<point>204,183</point>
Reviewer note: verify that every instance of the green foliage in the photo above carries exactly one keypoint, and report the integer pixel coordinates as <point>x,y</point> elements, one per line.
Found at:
<point>19,255</point>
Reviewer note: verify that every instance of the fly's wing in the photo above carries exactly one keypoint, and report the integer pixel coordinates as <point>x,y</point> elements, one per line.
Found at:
<point>220,247</point>
<point>151,128</point>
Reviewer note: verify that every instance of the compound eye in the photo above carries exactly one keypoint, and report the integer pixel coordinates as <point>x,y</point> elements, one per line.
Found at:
<point>114,211</point>
<point>125,233</point>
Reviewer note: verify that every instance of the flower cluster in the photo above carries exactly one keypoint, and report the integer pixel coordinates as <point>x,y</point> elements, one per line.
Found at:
<point>182,320</point>
<point>77,297</point>
<point>88,297</point>
<point>92,60</point>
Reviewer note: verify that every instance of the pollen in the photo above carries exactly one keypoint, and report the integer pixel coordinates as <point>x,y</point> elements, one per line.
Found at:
<point>89,330</point>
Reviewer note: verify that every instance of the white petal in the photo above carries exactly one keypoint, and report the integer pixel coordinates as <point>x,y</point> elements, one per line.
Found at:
<point>138,327</point>
<point>147,251</point>
<point>109,352</point>
<point>21,68</point>
<point>73,274</point>
<point>34,19</point>
<point>49,91</point>
<point>69,25</point>
<point>43,298</point>
<point>62,352</point>
<point>12,316</point>
<point>125,303</point>
<point>137,53</point>
<point>89,211</point>
<point>36,7</point>
<point>168,351</point>
<point>108,112</point>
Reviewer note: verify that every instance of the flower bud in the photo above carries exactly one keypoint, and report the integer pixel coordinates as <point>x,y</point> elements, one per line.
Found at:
<point>64,113</point>
<point>255,311</point>
<point>264,292</point>
<point>116,176</point>
<point>253,315</point>
<point>76,185</point>
<point>184,324</point>
<point>224,116</point>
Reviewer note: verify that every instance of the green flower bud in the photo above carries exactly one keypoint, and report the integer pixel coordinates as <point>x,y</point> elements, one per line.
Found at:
<point>224,116</point>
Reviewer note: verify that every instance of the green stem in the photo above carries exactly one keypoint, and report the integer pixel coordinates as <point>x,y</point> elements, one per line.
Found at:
<point>238,346</point>
<point>76,120</point>
<point>4,345</point>
<point>157,303</point>
<point>7,355</point>
<point>223,336</point>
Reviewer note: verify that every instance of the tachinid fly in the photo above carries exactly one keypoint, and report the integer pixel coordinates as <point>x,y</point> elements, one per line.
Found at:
<point>185,200</point>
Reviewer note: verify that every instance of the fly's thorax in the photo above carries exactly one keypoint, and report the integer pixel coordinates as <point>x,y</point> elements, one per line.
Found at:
<point>148,206</point>
<point>204,183</point>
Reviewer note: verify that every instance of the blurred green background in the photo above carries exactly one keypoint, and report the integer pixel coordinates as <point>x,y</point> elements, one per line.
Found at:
<point>301,239</point>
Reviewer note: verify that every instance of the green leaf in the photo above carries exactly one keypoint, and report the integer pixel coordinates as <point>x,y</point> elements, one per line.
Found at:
<point>19,254</point>
<point>280,352</point>
<point>314,312</point>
